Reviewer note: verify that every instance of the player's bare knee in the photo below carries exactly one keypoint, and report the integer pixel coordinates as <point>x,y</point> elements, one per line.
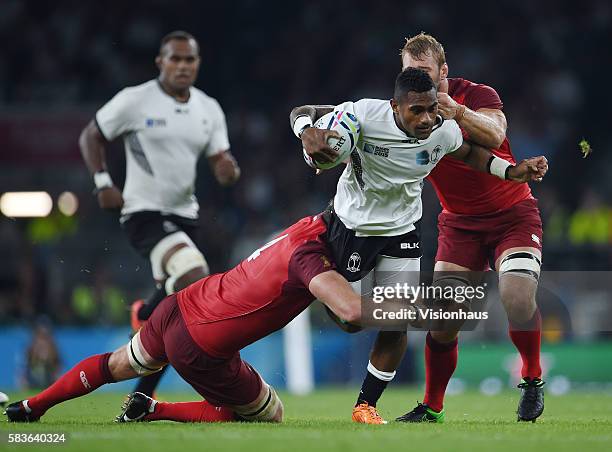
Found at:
<point>119,365</point>
<point>518,300</point>
<point>519,309</point>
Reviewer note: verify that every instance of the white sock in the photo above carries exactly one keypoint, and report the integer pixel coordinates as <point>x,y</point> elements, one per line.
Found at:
<point>381,375</point>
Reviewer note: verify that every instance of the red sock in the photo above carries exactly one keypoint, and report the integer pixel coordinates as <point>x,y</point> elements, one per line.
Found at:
<point>527,338</point>
<point>440,363</point>
<point>190,412</point>
<point>85,377</point>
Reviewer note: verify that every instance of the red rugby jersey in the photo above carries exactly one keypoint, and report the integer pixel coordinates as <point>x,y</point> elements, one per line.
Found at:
<point>227,311</point>
<point>463,190</point>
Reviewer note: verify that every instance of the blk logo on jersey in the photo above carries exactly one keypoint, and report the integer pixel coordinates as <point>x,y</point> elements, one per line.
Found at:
<point>354,263</point>
<point>409,246</point>
<point>155,122</point>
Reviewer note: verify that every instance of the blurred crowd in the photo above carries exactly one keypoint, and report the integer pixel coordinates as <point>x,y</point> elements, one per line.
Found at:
<point>60,61</point>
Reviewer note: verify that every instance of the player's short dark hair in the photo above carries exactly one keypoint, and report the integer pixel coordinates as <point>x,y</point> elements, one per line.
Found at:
<point>412,79</point>
<point>177,35</point>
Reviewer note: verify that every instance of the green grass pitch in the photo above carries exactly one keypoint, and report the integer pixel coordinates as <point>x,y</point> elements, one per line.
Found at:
<point>321,422</point>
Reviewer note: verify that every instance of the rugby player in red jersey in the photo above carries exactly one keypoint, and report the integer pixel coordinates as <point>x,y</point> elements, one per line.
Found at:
<point>201,329</point>
<point>482,218</point>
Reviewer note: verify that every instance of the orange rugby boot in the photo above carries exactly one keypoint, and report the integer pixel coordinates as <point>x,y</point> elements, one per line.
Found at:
<point>367,414</point>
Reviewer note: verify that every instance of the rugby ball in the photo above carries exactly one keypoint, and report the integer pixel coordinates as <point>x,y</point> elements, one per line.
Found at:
<point>348,127</point>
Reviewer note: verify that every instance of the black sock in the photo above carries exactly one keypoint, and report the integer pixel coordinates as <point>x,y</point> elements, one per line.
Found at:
<point>151,303</point>
<point>371,390</point>
<point>147,384</point>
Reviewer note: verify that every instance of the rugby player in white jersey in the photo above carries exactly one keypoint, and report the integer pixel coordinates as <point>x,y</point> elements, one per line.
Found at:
<point>166,124</point>
<point>373,229</point>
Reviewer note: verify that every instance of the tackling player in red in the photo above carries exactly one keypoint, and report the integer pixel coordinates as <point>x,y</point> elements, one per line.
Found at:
<point>201,329</point>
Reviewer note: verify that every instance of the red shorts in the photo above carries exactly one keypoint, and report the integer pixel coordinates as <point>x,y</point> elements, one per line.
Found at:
<point>221,381</point>
<point>470,240</point>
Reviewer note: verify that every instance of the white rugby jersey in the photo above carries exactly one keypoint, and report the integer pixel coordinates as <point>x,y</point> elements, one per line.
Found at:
<point>379,192</point>
<point>163,140</point>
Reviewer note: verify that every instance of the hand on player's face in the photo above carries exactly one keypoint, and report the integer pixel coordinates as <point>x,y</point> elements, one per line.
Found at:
<point>447,107</point>
<point>532,169</point>
<point>314,142</point>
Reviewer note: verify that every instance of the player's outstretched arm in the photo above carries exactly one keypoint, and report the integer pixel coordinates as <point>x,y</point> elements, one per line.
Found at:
<point>225,168</point>
<point>481,159</point>
<point>92,142</point>
<point>314,141</point>
<point>333,290</point>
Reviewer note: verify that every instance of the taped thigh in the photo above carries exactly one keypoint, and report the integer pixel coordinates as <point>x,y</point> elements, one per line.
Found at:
<point>163,246</point>
<point>139,363</point>
<point>182,262</point>
<point>521,263</point>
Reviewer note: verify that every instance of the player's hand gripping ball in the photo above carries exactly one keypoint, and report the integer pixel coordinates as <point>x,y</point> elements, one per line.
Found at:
<point>349,129</point>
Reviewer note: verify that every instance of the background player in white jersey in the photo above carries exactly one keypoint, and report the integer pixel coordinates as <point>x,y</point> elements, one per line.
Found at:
<point>166,125</point>
<point>374,227</point>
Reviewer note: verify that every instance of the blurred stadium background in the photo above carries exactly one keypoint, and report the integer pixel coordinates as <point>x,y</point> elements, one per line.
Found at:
<point>67,278</point>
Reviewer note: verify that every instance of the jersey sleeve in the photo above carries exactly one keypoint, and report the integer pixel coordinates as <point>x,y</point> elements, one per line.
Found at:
<point>219,140</point>
<point>453,137</point>
<point>118,116</point>
<point>358,109</point>
<point>483,96</point>
<point>310,260</point>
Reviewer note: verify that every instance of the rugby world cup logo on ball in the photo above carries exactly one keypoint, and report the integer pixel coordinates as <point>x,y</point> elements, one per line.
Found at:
<point>349,129</point>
